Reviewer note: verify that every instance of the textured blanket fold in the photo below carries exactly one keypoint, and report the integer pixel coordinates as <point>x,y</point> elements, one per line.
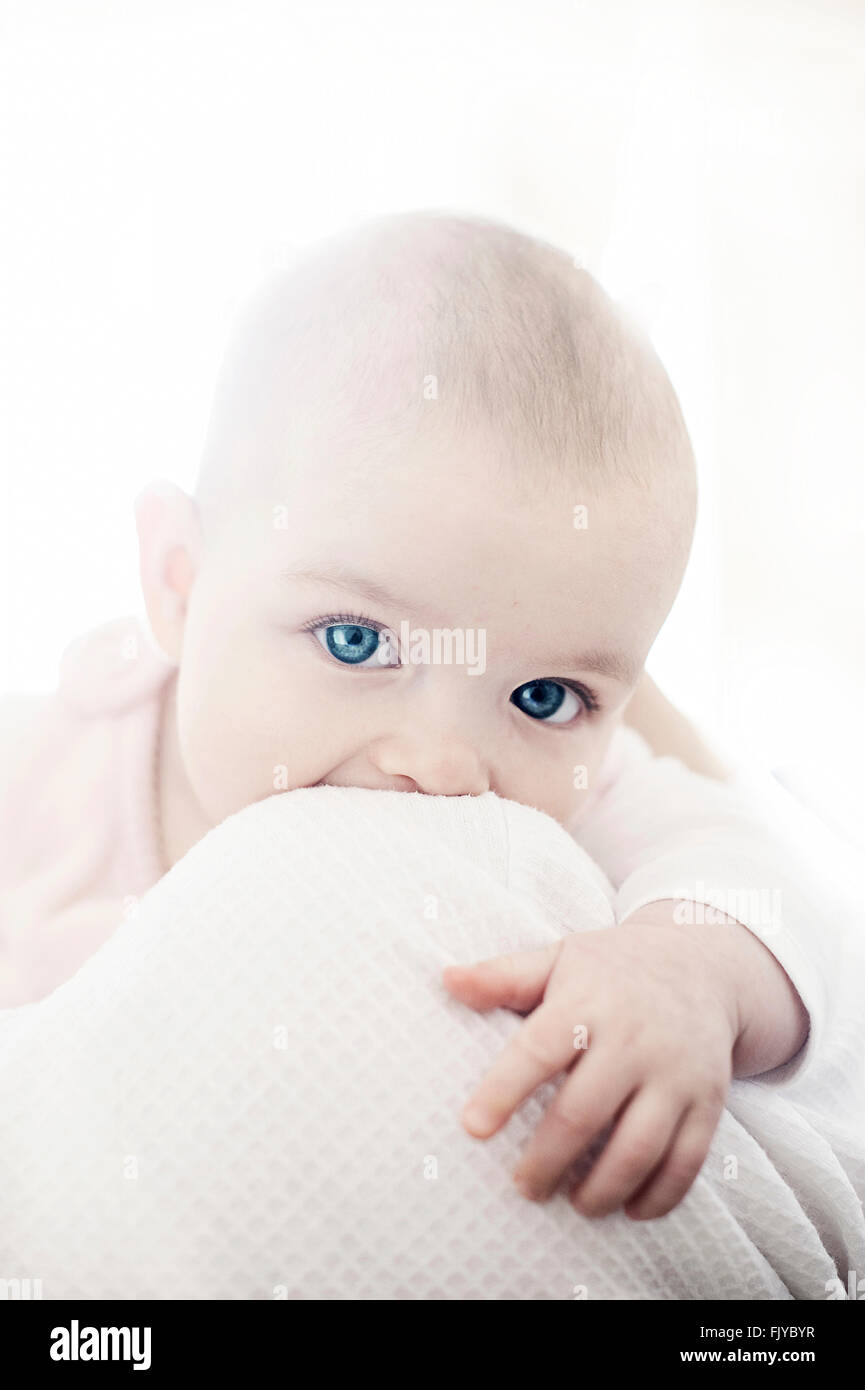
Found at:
<point>252,1090</point>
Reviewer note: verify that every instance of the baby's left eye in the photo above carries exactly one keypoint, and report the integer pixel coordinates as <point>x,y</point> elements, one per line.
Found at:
<point>549,701</point>
<point>354,644</point>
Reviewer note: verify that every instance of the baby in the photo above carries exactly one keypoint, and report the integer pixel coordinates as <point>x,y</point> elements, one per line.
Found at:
<point>444,507</point>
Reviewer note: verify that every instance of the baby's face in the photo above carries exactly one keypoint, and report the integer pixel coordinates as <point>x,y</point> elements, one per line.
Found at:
<point>416,626</point>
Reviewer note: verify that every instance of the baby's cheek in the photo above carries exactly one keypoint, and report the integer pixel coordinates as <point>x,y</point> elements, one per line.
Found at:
<point>227,764</point>
<point>580,804</point>
<point>221,770</point>
<point>565,804</point>
<point>565,790</point>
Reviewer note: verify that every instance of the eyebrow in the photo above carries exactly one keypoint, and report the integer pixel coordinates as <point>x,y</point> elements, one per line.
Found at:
<point>343,578</point>
<point>614,665</point>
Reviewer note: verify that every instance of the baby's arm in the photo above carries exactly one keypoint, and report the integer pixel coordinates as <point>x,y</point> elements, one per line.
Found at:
<point>770,1019</point>
<point>775,1019</point>
<point>722,851</point>
<point>674,1000</point>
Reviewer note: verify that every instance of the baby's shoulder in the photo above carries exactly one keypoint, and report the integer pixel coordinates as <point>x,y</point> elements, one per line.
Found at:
<point>111,668</point>
<point>107,675</point>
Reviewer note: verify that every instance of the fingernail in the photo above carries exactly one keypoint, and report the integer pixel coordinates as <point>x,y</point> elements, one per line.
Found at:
<point>590,1209</point>
<point>532,1190</point>
<point>476,1118</point>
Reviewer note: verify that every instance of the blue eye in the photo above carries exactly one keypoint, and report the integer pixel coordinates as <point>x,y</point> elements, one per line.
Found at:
<point>549,701</point>
<point>356,645</point>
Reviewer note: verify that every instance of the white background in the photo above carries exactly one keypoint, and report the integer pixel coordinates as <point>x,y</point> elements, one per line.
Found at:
<point>705,158</point>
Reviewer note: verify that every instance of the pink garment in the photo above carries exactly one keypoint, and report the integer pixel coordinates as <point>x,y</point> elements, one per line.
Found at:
<point>78,821</point>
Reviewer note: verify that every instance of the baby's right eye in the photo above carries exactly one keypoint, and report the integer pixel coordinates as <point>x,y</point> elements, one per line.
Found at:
<point>354,644</point>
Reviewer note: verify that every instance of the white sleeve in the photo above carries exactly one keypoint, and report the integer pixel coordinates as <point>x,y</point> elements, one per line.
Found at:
<point>660,831</point>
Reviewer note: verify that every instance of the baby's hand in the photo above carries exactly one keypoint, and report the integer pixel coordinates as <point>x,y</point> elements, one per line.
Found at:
<point>645,1024</point>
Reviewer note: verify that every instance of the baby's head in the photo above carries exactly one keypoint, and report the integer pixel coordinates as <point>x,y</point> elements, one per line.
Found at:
<point>445,504</point>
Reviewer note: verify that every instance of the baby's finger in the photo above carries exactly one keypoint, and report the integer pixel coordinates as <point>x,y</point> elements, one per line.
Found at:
<point>586,1103</point>
<point>636,1146</point>
<point>504,982</point>
<point>542,1048</point>
<point>677,1171</point>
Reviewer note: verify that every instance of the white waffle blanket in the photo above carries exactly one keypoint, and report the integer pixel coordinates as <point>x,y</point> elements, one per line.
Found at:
<point>252,1090</point>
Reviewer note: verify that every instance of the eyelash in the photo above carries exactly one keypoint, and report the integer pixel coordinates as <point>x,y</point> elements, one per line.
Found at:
<point>350,620</point>
<point>588,697</point>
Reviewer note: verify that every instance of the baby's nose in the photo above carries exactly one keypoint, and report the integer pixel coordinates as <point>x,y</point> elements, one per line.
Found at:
<point>439,766</point>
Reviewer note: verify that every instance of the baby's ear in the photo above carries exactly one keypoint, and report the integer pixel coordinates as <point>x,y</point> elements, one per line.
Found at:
<point>168,551</point>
